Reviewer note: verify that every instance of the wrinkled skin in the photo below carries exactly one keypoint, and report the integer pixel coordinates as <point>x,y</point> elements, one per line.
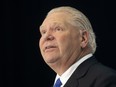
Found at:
<point>61,43</point>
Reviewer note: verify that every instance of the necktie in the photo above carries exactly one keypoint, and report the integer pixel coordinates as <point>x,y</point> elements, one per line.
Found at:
<point>58,83</point>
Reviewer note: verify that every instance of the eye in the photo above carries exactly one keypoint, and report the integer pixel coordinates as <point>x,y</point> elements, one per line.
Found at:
<point>43,32</point>
<point>58,29</point>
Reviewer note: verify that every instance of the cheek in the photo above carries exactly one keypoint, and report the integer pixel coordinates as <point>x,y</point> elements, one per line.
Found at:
<point>64,42</point>
<point>40,43</point>
<point>69,42</point>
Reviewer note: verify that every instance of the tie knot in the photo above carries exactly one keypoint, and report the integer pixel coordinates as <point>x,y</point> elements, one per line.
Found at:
<point>58,83</point>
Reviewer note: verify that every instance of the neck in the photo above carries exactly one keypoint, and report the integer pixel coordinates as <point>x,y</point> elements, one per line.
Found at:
<point>60,68</point>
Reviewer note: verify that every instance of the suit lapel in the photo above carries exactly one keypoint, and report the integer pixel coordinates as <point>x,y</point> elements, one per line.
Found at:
<point>80,72</point>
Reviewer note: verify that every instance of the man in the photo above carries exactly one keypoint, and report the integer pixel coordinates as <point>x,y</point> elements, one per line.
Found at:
<point>67,45</point>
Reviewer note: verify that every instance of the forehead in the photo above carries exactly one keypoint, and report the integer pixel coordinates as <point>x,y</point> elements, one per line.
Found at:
<point>58,18</point>
<point>53,24</point>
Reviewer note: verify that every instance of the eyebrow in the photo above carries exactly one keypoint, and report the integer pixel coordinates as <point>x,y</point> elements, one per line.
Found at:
<point>41,27</point>
<point>54,24</point>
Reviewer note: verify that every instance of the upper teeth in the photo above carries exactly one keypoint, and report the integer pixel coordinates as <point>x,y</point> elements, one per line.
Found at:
<point>49,47</point>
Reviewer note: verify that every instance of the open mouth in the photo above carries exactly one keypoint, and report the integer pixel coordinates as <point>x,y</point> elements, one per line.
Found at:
<point>50,48</point>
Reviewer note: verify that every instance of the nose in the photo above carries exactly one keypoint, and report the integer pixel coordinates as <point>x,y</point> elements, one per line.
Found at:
<point>49,37</point>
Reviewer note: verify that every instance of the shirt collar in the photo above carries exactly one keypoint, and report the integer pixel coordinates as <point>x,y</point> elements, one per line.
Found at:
<point>66,75</point>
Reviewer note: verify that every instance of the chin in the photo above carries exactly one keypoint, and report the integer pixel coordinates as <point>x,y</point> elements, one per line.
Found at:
<point>51,60</point>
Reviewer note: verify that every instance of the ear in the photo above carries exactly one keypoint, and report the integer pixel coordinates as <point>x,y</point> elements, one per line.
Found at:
<point>84,40</point>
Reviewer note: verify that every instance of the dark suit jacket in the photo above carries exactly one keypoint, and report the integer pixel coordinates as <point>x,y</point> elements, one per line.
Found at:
<point>91,73</point>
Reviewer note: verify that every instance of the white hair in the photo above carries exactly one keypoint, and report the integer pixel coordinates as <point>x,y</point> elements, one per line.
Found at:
<point>80,20</point>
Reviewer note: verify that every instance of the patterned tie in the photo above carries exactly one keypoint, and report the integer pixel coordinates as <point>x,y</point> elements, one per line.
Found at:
<point>58,83</point>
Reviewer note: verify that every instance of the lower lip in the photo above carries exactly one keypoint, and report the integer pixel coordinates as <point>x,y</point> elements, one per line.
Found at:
<point>50,49</point>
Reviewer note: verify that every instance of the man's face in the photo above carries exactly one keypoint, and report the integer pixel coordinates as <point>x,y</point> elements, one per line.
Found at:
<point>59,40</point>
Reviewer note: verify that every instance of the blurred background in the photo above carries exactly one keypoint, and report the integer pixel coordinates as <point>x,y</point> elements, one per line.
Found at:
<point>22,63</point>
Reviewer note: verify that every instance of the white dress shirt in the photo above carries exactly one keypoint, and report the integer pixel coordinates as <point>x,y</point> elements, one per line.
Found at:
<point>67,74</point>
